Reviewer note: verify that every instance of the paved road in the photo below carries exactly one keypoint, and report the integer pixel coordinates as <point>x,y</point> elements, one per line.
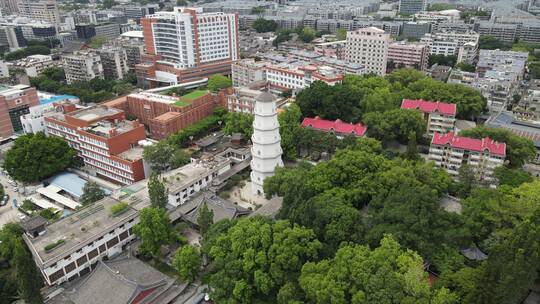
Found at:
<point>7,212</point>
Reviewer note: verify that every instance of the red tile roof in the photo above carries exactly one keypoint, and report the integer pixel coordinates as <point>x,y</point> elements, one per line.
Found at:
<point>429,106</point>
<point>467,143</point>
<point>336,126</point>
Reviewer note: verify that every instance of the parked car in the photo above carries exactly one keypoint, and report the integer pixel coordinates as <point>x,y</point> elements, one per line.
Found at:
<point>21,216</point>
<point>5,200</point>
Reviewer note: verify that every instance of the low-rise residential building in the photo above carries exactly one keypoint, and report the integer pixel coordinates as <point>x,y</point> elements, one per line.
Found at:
<point>440,116</point>
<point>33,65</point>
<point>70,247</point>
<point>15,101</point>
<point>411,55</point>
<point>165,115</point>
<point>34,121</point>
<point>450,152</point>
<point>246,71</point>
<point>242,99</point>
<point>285,77</point>
<point>448,43</point>
<point>105,140</point>
<point>82,66</point>
<point>339,128</point>
<point>468,53</point>
<point>114,61</point>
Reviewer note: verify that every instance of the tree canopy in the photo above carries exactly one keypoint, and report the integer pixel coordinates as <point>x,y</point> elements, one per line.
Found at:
<point>34,157</point>
<point>187,262</point>
<point>157,192</point>
<point>92,193</point>
<point>154,230</point>
<point>360,95</point>
<point>262,25</point>
<point>217,82</point>
<point>256,259</point>
<point>358,274</point>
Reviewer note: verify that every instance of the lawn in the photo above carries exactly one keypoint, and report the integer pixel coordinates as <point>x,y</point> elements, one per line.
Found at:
<point>185,100</point>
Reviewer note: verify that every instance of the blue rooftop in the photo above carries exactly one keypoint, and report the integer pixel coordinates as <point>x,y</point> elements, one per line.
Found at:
<point>56,98</point>
<point>71,183</point>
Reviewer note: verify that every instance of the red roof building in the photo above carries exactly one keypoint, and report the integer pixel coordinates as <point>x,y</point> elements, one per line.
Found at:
<point>439,116</point>
<point>338,127</point>
<point>449,151</point>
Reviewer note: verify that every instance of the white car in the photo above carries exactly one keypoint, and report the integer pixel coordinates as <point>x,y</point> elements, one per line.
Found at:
<point>15,189</point>
<point>21,216</point>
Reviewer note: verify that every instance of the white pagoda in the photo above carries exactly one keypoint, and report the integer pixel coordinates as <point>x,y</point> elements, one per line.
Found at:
<point>266,151</point>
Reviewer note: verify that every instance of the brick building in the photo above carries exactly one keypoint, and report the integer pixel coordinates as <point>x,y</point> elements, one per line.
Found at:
<point>164,115</point>
<point>105,140</point>
<point>411,55</point>
<point>15,101</point>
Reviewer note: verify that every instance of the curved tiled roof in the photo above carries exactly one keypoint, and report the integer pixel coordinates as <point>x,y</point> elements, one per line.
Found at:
<point>429,106</point>
<point>336,126</point>
<point>467,143</point>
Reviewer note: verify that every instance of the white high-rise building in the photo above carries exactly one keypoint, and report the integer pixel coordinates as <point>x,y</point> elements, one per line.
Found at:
<point>266,151</point>
<point>188,44</point>
<point>368,47</point>
<point>42,10</point>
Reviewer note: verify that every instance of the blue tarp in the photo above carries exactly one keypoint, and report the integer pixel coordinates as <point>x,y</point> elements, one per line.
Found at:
<point>71,183</point>
<point>56,98</point>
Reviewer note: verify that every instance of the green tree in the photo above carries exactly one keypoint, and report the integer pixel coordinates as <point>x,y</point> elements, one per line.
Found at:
<point>255,258</point>
<point>466,67</point>
<point>92,193</point>
<point>412,214</point>
<point>289,128</point>
<point>239,123</point>
<point>466,181</point>
<point>154,230</point>
<point>389,274</point>
<point>217,82</point>
<point>395,124</point>
<point>205,218</point>
<point>97,41</point>
<point>54,73</point>
<point>187,262</point>
<point>29,280</point>
<point>519,150</point>
<point>34,157</point>
<point>178,159</point>
<point>122,88</point>
<point>442,60</point>
<point>262,25</point>
<point>158,155</point>
<point>157,191</point>
<point>487,42</point>
<point>107,4</point>
<point>512,177</point>
<point>307,34</point>
<point>511,268</point>
<point>341,34</point>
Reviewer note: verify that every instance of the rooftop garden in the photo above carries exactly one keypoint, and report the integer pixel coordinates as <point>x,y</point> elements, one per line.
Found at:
<point>51,246</point>
<point>186,99</point>
<point>119,208</point>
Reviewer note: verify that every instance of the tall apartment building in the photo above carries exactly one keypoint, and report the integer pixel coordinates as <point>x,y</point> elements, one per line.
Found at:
<point>450,152</point>
<point>440,116</point>
<point>114,61</point>
<point>412,55</point>
<point>105,140</point>
<point>369,47</point>
<point>187,45</point>
<point>43,10</point>
<point>82,66</point>
<point>448,43</point>
<point>134,51</point>
<point>9,37</point>
<point>15,101</point>
<point>412,6</point>
<point>509,32</point>
<point>9,7</point>
<point>246,71</point>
